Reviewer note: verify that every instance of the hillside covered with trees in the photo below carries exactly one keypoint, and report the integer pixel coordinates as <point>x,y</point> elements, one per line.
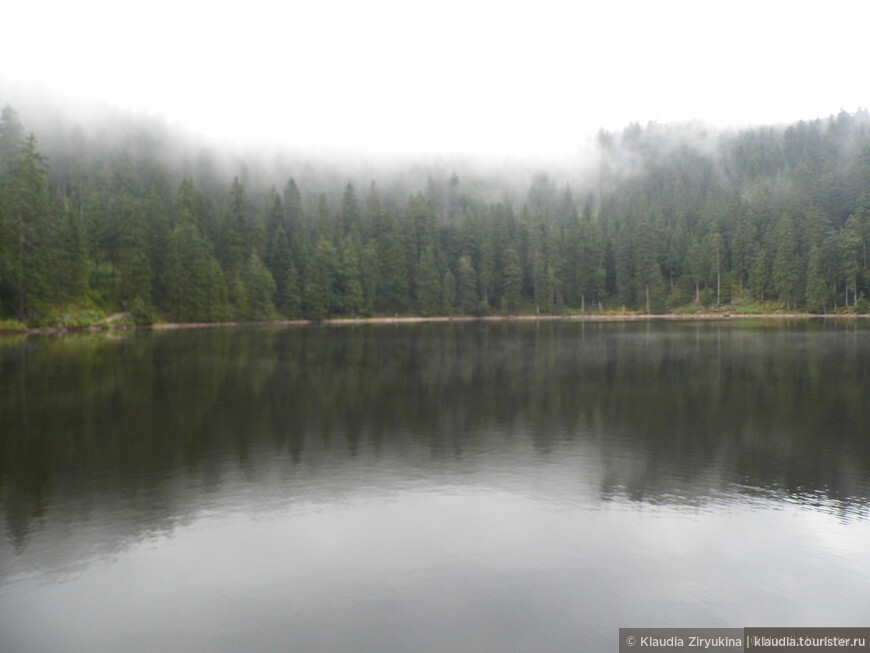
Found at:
<point>136,220</point>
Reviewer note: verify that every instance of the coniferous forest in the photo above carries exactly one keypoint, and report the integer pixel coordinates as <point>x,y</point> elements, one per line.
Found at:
<point>675,217</point>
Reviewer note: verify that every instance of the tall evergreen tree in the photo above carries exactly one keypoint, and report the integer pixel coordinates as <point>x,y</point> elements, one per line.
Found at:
<point>429,284</point>
<point>259,289</point>
<point>195,285</point>
<point>469,299</point>
<point>196,289</point>
<point>349,277</point>
<point>11,142</point>
<point>512,284</point>
<point>27,233</point>
<point>817,287</point>
<point>291,300</point>
<point>237,240</point>
<point>786,262</point>
<point>279,262</point>
<point>448,294</point>
<point>134,268</point>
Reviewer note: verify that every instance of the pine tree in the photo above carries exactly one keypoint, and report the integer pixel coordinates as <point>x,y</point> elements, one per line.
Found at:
<point>27,231</point>
<point>393,286</point>
<point>850,255</point>
<point>369,276</point>
<point>196,289</point>
<point>759,275</point>
<point>279,262</point>
<point>275,220</point>
<point>259,288</point>
<point>291,300</point>
<point>321,294</point>
<point>295,221</point>
<point>195,285</point>
<point>786,262</point>
<point>649,285</point>
<point>73,271</point>
<point>350,214</point>
<point>512,284</point>
<point>817,287</point>
<point>11,142</point>
<point>589,267</point>
<point>134,268</point>
<point>448,294</point>
<point>349,277</point>
<point>237,240</point>
<point>428,284</point>
<point>190,203</point>
<point>469,299</point>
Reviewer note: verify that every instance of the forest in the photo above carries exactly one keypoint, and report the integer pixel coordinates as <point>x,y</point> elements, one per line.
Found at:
<point>138,220</point>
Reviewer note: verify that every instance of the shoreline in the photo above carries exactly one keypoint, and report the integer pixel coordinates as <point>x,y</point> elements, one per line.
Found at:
<point>595,317</point>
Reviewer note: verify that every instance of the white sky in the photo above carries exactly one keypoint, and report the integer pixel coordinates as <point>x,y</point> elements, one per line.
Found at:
<point>467,76</point>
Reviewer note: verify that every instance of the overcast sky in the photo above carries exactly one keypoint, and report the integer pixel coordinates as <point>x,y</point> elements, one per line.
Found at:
<point>467,76</point>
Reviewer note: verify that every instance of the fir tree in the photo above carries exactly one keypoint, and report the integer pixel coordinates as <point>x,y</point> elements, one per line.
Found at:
<point>428,284</point>
<point>817,287</point>
<point>513,280</point>
<point>448,294</point>
<point>291,300</point>
<point>469,299</point>
<point>196,289</point>
<point>134,267</point>
<point>259,288</point>
<point>27,231</point>
<point>786,262</point>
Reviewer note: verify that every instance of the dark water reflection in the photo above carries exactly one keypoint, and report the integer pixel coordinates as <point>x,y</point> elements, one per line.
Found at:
<point>500,486</point>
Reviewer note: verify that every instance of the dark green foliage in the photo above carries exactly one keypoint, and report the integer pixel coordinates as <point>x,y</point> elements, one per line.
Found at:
<point>393,283</point>
<point>429,284</point>
<point>279,261</point>
<point>291,299</point>
<point>28,245</point>
<point>448,293</point>
<point>237,241</point>
<point>349,277</point>
<point>817,288</point>
<point>134,266</point>
<point>73,271</point>
<point>673,217</point>
<point>469,299</point>
<point>258,287</point>
<point>512,284</point>
<point>141,313</point>
<point>786,262</point>
<point>197,291</point>
<point>321,293</point>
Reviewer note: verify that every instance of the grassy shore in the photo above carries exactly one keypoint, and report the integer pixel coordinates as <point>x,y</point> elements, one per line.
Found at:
<point>122,321</point>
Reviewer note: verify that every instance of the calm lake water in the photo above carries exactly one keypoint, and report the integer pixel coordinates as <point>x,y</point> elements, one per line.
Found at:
<point>433,487</point>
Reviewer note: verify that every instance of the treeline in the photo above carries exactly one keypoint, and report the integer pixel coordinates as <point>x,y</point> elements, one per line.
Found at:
<point>676,216</point>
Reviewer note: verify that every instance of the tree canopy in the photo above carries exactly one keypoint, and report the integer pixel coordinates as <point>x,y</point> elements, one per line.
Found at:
<point>673,216</point>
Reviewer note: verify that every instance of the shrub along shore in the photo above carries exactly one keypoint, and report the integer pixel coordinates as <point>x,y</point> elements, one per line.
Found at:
<point>124,323</point>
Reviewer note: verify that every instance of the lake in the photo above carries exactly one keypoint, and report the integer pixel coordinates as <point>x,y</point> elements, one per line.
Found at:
<point>497,486</point>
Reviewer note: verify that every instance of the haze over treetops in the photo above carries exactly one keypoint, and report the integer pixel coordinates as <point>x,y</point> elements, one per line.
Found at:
<point>130,215</point>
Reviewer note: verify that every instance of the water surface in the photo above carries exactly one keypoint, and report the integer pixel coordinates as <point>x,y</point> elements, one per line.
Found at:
<point>433,487</point>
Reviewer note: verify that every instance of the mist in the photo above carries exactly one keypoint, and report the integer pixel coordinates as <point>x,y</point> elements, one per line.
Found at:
<point>655,217</point>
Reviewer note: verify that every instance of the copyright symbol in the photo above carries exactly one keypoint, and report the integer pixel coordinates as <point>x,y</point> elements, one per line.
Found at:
<point>630,640</point>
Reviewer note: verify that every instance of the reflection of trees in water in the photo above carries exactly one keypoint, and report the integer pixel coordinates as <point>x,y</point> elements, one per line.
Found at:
<point>676,411</point>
